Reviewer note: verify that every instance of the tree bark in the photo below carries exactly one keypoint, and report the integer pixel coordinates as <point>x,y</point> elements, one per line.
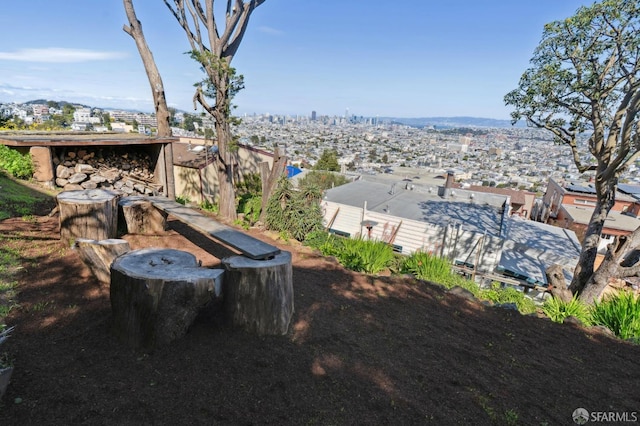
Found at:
<point>141,217</point>
<point>91,214</point>
<point>557,283</point>
<point>605,192</point>
<point>156,295</point>
<point>134,29</point>
<point>270,179</point>
<point>99,255</point>
<point>621,261</point>
<point>258,294</point>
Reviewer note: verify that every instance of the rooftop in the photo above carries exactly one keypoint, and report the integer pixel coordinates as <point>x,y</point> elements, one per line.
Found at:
<point>27,139</point>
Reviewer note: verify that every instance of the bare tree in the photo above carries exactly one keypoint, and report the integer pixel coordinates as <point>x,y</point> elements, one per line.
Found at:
<point>134,29</point>
<point>584,80</point>
<point>214,47</point>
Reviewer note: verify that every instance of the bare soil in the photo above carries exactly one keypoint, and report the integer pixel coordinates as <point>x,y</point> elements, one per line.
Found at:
<point>361,350</point>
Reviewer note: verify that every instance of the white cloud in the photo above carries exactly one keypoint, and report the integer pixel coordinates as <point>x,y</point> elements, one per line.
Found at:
<point>59,55</point>
<point>269,30</point>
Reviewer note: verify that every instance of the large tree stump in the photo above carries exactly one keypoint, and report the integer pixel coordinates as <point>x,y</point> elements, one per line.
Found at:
<point>99,255</point>
<point>258,294</point>
<point>141,217</point>
<point>156,295</point>
<point>91,214</point>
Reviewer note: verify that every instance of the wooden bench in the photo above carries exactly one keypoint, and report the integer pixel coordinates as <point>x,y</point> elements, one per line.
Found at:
<point>258,285</point>
<point>245,244</point>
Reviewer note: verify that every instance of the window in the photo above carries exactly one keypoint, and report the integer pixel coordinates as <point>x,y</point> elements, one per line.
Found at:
<point>585,202</point>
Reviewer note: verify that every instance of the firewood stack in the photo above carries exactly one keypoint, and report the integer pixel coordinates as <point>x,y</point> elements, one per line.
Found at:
<point>105,168</point>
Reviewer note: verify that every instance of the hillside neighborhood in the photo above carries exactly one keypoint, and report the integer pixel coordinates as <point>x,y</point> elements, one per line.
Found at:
<point>505,202</point>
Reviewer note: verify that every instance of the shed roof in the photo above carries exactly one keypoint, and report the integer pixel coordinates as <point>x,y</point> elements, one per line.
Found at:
<point>28,139</point>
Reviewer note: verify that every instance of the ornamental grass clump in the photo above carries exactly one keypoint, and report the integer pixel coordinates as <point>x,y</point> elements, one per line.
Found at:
<point>620,313</point>
<point>427,267</point>
<point>367,256</point>
<point>435,269</point>
<point>558,310</point>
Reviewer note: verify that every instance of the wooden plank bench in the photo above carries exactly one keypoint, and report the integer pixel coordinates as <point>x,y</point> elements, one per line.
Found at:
<point>245,244</point>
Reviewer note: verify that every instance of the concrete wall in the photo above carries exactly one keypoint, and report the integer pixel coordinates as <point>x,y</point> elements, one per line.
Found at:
<point>198,184</point>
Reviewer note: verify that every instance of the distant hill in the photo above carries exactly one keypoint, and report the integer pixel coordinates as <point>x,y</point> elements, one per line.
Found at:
<point>451,122</point>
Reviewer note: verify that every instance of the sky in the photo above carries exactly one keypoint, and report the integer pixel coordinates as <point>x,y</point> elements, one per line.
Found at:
<point>409,58</point>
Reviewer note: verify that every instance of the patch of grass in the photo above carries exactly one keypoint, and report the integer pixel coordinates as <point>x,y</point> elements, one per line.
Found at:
<point>17,199</point>
<point>619,313</point>
<point>498,294</point>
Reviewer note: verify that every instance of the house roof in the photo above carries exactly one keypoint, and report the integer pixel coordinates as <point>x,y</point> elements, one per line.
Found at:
<point>615,219</point>
<point>27,139</point>
<point>478,214</point>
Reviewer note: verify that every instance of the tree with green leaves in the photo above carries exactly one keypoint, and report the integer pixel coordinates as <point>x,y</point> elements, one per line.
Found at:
<point>583,81</point>
<point>328,161</point>
<point>214,43</point>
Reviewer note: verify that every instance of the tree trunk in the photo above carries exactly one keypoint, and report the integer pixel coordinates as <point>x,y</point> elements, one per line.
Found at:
<point>258,294</point>
<point>227,196</point>
<point>141,217</point>
<point>134,29</point>
<point>621,261</point>
<point>156,294</point>
<point>270,180</point>
<point>584,269</point>
<point>99,255</point>
<point>91,214</point>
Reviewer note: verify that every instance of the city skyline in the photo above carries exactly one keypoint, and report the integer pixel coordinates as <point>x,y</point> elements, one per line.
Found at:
<point>417,60</point>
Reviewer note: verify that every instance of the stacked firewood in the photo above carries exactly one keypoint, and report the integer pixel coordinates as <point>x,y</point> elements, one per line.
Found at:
<point>106,168</point>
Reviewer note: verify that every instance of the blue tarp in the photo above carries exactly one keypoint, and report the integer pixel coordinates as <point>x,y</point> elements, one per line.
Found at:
<point>292,171</point>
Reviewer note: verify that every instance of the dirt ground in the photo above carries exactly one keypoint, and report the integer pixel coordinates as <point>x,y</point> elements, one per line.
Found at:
<point>361,350</point>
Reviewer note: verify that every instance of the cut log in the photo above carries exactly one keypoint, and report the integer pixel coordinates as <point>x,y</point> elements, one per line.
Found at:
<point>99,255</point>
<point>156,295</point>
<point>90,214</point>
<point>258,294</point>
<point>141,217</point>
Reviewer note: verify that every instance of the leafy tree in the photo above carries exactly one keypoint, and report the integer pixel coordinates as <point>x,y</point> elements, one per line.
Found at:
<point>328,161</point>
<point>214,43</point>
<point>322,179</point>
<point>583,80</point>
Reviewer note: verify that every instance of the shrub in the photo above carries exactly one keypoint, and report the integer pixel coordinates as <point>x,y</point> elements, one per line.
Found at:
<point>250,206</point>
<point>322,179</point>
<point>16,164</point>
<point>557,310</point>
<point>296,212</point>
<point>620,314</point>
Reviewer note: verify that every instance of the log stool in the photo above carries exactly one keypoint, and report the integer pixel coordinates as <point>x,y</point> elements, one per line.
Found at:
<point>91,214</point>
<point>258,294</point>
<point>157,293</point>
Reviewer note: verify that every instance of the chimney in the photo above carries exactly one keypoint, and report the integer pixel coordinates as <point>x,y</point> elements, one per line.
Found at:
<point>448,184</point>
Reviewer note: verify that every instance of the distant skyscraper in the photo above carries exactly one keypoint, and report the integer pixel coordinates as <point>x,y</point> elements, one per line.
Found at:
<point>346,113</point>
<point>313,116</point>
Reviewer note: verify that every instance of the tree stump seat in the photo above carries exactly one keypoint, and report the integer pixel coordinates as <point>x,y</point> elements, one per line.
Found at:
<point>156,295</point>
<point>258,294</point>
<point>90,214</point>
